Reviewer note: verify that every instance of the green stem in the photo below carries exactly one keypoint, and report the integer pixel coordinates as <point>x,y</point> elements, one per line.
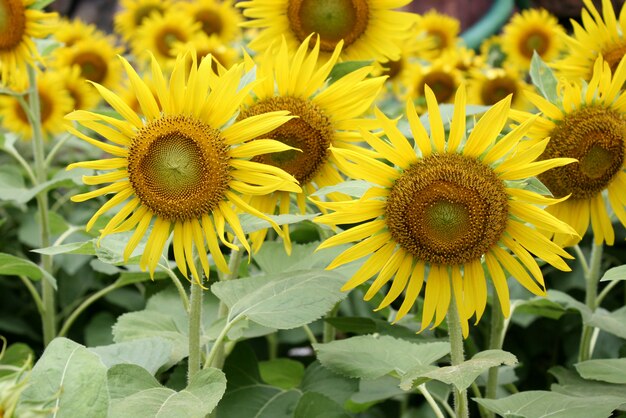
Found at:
<point>86,303</point>
<point>219,342</point>
<point>67,233</point>
<point>29,172</point>
<point>582,260</point>
<point>56,148</point>
<point>34,293</point>
<point>48,296</point>
<point>330,332</point>
<point>430,400</point>
<point>591,299</point>
<point>179,286</point>
<point>456,354</point>
<point>272,346</point>
<point>496,338</point>
<point>309,334</point>
<point>195,319</point>
<point>606,291</point>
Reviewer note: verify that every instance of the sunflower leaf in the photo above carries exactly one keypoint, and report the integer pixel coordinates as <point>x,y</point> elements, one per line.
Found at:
<point>11,265</point>
<point>605,370</point>
<point>616,273</point>
<point>344,68</point>
<point>543,77</point>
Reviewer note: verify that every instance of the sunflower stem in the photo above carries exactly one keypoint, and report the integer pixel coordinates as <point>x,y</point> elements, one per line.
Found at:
<point>86,303</point>
<point>591,299</point>
<point>456,355</point>
<point>195,321</point>
<point>47,289</point>
<point>179,286</point>
<point>431,401</point>
<point>496,338</point>
<point>330,332</point>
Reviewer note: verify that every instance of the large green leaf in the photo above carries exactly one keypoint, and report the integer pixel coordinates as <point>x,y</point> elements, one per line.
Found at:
<point>462,375</point>
<point>283,373</point>
<point>539,404</point>
<point>370,356</point>
<point>11,265</point>
<point>616,273</point>
<point>315,405</point>
<point>68,379</point>
<point>572,384</point>
<point>149,353</point>
<point>605,370</point>
<point>273,259</point>
<point>136,394</point>
<point>282,301</point>
<point>319,379</point>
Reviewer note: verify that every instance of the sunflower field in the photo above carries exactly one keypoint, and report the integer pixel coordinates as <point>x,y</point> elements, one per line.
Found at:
<point>312,209</point>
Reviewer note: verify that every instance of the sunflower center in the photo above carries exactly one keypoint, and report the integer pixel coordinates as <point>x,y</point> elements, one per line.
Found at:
<point>497,89</point>
<point>447,209</point>
<point>166,39</point>
<point>332,20</point>
<point>12,24</point>
<point>145,11</point>
<point>442,84</point>
<point>534,40</point>
<point>178,167</point>
<point>92,66</point>
<point>211,21</point>
<point>438,38</point>
<point>614,54</point>
<point>393,68</point>
<point>595,137</point>
<point>311,132</point>
<point>45,109</point>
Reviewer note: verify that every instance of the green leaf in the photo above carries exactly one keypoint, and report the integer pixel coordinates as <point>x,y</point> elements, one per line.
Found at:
<point>616,273</point>
<point>251,223</point>
<point>462,375</point>
<point>85,248</point>
<point>572,384</point>
<point>353,188</point>
<point>283,373</point>
<point>149,353</point>
<point>316,405</point>
<point>344,68</point>
<point>273,259</point>
<point>11,265</point>
<point>543,78</point>
<point>319,379</point>
<point>540,404</point>
<point>69,379</point>
<point>605,370</point>
<point>282,301</point>
<point>259,402</point>
<point>370,356</point>
<point>136,394</point>
<point>17,355</point>
<point>372,391</point>
<point>40,4</point>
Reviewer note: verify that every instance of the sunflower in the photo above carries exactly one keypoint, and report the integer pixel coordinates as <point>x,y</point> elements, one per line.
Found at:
<point>529,31</point>
<point>441,76</point>
<point>370,29</point>
<point>133,12</point>
<point>83,95</point>
<point>158,34</point>
<point>95,58</point>
<point>217,18</point>
<point>54,102</point>
<point>183,165</point>
<point>489,86</point>
<point>442,30</point>
<point>326,119</point>
<point>71,31</point>
<point>598,36</point>
<point>18,25</point>
<point>446,213</point>
<point>587,124</point>
<point>202,45</point>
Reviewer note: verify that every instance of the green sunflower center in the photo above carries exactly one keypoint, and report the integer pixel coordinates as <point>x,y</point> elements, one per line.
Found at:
<point>145,11</point>
<point>534,40</point>
<point>595,137</point>
<point>179,167</point>
<point>332,20</point>
<point>614,54</point>
<point>447,209</point>
<point>442,84</point>
<point>92,66</point>
<point>311,132</point>
<point>12,24</point>
<point>497,89</point>
<point>211,21</point>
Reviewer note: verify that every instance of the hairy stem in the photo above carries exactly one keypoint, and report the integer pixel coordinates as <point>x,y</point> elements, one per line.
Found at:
<point>591,298</point>
<point>456,354</point>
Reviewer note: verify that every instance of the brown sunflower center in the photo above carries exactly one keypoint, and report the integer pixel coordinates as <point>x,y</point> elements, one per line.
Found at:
<point>393,68</point>
<point>92,66</point>
<point>311,132</point>
<point>438,38</point>
<point>166,39</point>
<point>497,89</point>
<point>12,24</point>
<point>442,84</point>
<point>145,11</point>
<point>46,105</point>
<point>614,54</point>
<point>447,209</point>
<point>178,167</point>
<point>211,21</point>
<point>594,136</point>
<point>332,20</point>
<point>534,40</point>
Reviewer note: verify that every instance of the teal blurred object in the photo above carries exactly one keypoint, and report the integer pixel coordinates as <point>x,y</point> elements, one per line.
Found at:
<point>490,23</point>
